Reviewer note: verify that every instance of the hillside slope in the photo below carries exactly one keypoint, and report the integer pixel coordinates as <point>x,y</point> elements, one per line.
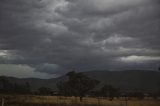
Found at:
<point>129,80</point>
<point>125,80</point>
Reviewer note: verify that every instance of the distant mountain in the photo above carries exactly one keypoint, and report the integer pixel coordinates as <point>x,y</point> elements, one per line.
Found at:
<point>129,80</point>
<point>125,80</point>
<point>35,83</point>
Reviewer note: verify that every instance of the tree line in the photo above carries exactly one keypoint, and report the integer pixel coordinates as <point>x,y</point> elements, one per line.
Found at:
<point>7,87</point>
<point>77,84</point>
<point>80,85</point>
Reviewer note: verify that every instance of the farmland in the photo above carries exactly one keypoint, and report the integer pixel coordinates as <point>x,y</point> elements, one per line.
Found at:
<point>32,100</point>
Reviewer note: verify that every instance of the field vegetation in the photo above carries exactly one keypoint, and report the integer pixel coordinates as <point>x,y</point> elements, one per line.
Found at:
<point>34,100</point>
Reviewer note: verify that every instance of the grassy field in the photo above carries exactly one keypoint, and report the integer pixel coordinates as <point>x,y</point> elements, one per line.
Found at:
<point>30,100</point>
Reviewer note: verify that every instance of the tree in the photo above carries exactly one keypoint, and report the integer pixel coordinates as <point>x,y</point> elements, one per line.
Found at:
<point>5,85</point>
<point>139,95</point>
<point>28,87</point>
<point>109,91</point>
<point>77,84</point>
<point>65,89</point>
<point>45,91</point>
<point>22,88</point>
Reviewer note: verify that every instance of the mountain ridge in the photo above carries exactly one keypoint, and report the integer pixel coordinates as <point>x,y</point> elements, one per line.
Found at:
<point>125,80</point>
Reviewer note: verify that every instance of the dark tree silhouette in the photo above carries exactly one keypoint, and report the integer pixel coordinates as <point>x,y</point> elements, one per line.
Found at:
<point>138,95</point>
<point>45,91</point>
<point>77,84</point>
<point>22,88</point>
<point>5,86</point>
<point>109,91</point>
<point>65,89</point>
<point>28,87</point>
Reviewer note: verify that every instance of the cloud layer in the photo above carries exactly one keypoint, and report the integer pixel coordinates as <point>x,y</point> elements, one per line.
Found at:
<point>55,36</point>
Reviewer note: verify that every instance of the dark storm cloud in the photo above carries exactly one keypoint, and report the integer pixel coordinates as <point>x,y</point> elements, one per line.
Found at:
<point>58,35</point>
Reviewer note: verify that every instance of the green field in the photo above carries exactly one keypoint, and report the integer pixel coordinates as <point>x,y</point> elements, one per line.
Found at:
<point>31,100</point>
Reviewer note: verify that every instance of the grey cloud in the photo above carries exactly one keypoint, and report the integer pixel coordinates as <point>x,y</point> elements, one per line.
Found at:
<point>78,34</point>
<point>48,68</point>
<point>96,7</point>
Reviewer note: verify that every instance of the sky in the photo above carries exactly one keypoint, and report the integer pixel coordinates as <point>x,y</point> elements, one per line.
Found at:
<point>47,38</point>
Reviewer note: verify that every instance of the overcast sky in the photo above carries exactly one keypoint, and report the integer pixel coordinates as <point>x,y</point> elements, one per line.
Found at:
<point>46,38</point>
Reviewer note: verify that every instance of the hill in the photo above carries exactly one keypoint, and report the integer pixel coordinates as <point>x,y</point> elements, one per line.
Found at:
<point>129,80</point>
<point>125,80</point>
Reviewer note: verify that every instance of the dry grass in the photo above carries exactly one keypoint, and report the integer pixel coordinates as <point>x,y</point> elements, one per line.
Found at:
<point>30,100</point>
